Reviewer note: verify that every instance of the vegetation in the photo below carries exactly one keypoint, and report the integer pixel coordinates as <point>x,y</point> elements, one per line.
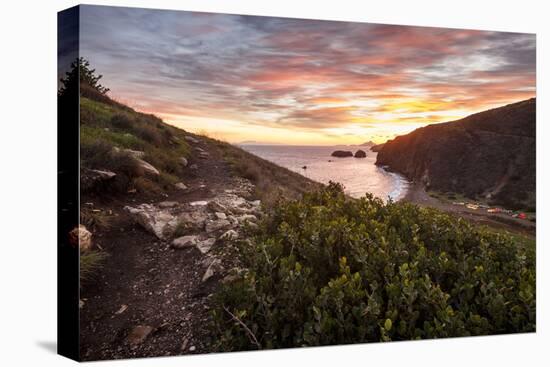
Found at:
<point>328,269</point>
<point>90,263</point>
<point>106,127</point>
<point>271,181</point>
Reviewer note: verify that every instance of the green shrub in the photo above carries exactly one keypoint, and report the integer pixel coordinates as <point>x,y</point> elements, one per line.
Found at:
<point>328,269</point>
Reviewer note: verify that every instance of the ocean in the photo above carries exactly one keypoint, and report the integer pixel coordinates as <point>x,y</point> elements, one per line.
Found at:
<point>358,175</point>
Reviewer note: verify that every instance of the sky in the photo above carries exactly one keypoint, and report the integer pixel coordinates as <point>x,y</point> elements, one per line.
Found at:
<point>305,82</point>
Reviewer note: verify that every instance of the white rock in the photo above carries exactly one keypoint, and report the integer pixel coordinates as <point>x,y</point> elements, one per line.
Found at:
<point>185,241</point>
<point>205,245</point>
<point>199,203</point>
<point>167,204</point>
<point>184,161</point>
<point>160,223</point>
<point>180,186</point>
<point>220,215</point>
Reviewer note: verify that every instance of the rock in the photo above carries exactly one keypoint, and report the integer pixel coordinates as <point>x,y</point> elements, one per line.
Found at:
<point>191,139</point>
<point>205,245</point>
<point>360,154</point>
<point>214,266</point>
<point>185,242</point>
<point>220,215</point>
<point>204,155</point>
<point>193,219</point>
<point>193,167</point>
<point>180,186</point>
<point>135,153</point>
<point>167,204</point>
<point>93,178</point>
<point>184,161</point>
<point>230,203</point>
<point>192,348</point>
<point>230,235</point>
<point>200,150</point>
<point>139,334</point>
<point>247,218</point>
<point>342,153</point>
<point>199,203</point>
<point>148,168</point>
<point>160,223</point>
<point>215,225</point>
<point>80,237</point>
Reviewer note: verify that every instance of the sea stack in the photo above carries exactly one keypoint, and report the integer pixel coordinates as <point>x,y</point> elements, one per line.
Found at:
<point>360,154</point>
<point>342,153</point>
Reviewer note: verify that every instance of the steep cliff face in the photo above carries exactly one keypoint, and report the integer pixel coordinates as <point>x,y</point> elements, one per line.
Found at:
<point>488,155</point>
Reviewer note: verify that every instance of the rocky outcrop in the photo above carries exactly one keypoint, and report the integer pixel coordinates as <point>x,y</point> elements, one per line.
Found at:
<point>377,148</point>
<point>201,221</point>
<point>342,153</point>
<point>488,155</point>
<point>360,154</point>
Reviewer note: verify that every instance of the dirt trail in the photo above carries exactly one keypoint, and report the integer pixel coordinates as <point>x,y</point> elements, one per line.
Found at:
<point>147,282</point>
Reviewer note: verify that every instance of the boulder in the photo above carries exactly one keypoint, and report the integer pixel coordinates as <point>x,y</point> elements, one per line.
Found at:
<point>184,161</point>
<point>360,154</point>
<point>342,153</point>
<point>148,168</point>
<point>80,237</point>
<point>185,242</point>
<point>157,221</point>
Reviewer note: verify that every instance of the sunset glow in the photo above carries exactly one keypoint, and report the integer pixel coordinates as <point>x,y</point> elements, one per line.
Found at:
<point>277,80</point>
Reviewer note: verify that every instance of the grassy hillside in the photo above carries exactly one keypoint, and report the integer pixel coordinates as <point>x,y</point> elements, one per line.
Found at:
<point>109,128</point>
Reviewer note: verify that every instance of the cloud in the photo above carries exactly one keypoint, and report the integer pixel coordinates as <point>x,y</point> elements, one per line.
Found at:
<point>302,74</point>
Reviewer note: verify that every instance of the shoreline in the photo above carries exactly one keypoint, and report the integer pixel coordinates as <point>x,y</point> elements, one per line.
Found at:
<point>417,195</point>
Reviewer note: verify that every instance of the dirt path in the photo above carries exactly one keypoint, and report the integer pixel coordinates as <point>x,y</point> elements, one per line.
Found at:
<point>145,282</point>
<point>418,195</point>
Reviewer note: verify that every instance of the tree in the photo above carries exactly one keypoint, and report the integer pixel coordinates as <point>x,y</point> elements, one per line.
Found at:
<point>80,71</point>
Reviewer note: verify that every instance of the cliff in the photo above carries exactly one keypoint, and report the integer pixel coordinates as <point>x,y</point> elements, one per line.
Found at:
<point>488,155</point>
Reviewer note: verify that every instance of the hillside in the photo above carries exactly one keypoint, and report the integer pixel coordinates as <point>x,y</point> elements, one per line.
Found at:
<point>487,156</point>
<point>160,208</point>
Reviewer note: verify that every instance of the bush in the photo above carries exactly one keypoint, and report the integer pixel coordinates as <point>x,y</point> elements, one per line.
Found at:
<point>90,263</point>
<point>121,121</point>
<point>328,269</point>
